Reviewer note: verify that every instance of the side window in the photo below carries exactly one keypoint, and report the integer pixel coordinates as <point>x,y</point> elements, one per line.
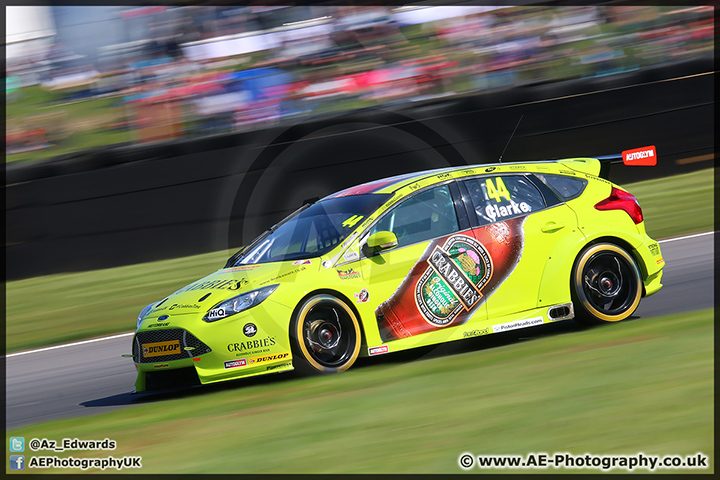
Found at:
<point>421,217</point>
<point>564,187</point>
<point>501,198</point>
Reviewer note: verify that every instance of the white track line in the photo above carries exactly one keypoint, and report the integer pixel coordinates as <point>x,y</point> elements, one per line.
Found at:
<point>132,333</point>
<point>686,237</point>
<point>71,344</point>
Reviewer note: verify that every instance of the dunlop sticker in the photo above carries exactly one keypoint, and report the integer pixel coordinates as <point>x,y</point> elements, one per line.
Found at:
<point>161,349</point>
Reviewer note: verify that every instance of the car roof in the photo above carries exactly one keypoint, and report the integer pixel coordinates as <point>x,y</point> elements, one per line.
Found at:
<point>391,184</point>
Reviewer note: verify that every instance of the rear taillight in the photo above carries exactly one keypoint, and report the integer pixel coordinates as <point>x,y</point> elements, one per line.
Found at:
<point>622,200</point>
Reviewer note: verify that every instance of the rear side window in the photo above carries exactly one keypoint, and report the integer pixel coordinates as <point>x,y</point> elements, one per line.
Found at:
<point>564,187</point>
<point>504,197</point>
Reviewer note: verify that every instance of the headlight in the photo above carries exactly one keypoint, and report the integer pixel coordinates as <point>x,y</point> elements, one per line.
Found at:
<point>238,304</point>
<point>143,314</point>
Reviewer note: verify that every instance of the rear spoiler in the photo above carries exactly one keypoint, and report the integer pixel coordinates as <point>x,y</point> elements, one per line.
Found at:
<point>605,162</point>
<point>637,157</point>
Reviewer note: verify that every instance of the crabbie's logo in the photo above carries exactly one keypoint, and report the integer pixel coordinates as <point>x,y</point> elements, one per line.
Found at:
<point>249,329</point>
<point>451,284</point>
<point>378,350</point>
<point>348,274</point>
<point>250,344</point>
<point>645,156</point>
<point>235,363</point>
<point>161,349</point>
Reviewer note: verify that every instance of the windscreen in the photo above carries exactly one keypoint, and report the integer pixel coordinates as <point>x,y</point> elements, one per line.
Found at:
<point>314,231</point>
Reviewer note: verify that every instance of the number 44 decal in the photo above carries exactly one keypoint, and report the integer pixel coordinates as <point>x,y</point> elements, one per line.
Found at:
<point>350,222</point>
<point>496,191</point>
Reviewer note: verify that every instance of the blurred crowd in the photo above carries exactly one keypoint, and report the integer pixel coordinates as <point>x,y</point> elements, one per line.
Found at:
<point>213,70</point>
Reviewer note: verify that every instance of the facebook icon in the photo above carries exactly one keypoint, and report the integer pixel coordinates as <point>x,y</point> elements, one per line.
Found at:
<point>17,462</point>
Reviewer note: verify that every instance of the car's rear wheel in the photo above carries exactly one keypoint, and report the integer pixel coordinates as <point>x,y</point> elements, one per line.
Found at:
<point>325,335</point>
<point>606,284</point>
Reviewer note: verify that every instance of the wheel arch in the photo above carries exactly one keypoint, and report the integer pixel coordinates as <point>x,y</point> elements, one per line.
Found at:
<point>340,296</point>
<point>620,242</point>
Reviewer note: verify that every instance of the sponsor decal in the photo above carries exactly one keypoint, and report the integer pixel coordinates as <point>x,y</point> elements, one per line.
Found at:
<point>494,212</point>
<point>291,272</point>
<point>184,305</point>
<point>451,284</point>
<point>216,313</point>
<point>326,263</point>
<point>268,358</point>
<point>161,365</point>
<point>378,350</point>
<point>351,237</point>
<point>282,365</point>
<point>443,175</point>
<point>518,167</point>
<point>645,156</point>
<point>161,349</point>
<point>489,169</point>
<point>504,327</point>
<point>659,261</point>
<point>235,363</point>
<point>654,249</point>
<point>242,268</point>
<point>566,172</point>
<point>243,347</point>
<point>155,325</point>
<point>348,274</point>
<point>351,256</point>
<point>249,329</point>
<point>468,172</point>
<point>197,359</point>
<point>362,296</point>
<point>302,262</point>
<point>229,284</point>
<point>163,317</point>
<point>477,333</point>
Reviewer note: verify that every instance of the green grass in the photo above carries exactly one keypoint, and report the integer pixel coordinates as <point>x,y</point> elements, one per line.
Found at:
<point>639,386</point>
<point>58,308</point>
<point>677,205</point>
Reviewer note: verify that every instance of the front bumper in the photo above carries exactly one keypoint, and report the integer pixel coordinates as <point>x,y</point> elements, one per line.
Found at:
<point>185,351</point>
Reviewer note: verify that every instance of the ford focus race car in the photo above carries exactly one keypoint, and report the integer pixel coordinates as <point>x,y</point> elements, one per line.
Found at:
<point>404,262</point>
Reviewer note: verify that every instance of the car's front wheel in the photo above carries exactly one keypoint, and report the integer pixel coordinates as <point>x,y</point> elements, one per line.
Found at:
<point>606,284</point>
<point>325,335</point>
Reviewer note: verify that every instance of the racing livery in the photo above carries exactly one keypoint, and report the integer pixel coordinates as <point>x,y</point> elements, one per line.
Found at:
<point>404,262</point>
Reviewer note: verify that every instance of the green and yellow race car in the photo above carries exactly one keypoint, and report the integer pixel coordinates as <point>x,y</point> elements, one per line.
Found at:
<point>404,262</point>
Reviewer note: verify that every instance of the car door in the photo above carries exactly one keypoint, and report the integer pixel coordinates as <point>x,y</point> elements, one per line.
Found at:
<point>521,223</point>
<point>418,285</point>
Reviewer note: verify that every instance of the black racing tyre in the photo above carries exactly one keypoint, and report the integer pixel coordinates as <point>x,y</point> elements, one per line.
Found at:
<point>605,284</point>
<point>325,335</point>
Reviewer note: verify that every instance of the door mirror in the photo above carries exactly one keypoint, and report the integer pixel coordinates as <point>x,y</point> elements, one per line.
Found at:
<point>383,240</point>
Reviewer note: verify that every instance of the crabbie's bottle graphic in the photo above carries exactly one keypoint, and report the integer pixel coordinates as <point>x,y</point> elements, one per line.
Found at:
<point>452,278</point>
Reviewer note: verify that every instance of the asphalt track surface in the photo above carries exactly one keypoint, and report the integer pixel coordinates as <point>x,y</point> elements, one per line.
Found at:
<point>86,378</point>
